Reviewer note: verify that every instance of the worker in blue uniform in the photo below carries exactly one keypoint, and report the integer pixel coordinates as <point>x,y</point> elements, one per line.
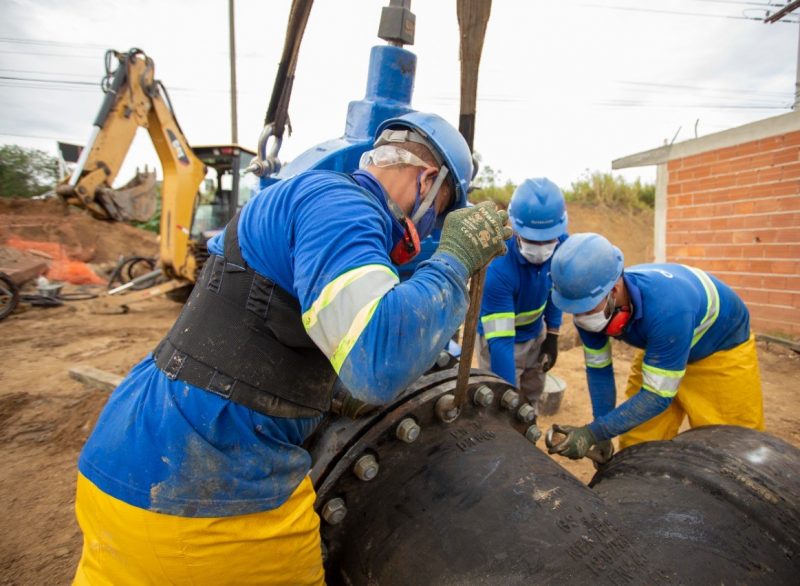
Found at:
<point>519,324</point>
<point>697,354</point>
<point>195,472</point>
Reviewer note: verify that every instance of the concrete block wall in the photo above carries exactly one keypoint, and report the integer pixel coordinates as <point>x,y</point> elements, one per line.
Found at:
<point>735,211</point>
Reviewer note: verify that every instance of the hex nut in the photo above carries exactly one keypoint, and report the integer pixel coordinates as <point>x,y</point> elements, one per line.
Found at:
<point>334,511</point>
<point>366,467</point>
<point>445,408</point>
<point>526,413</point>
<point>443,359</point>
<point>483,396</point>
<point>510,400</point>
<point>533,433</point>
<point>408,430</point>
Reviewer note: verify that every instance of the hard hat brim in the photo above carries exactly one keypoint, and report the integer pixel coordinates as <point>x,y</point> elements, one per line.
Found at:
<point>540,234</point>
<point>581,305</point>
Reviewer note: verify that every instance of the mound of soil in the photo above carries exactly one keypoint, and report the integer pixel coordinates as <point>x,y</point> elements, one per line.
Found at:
<point>631,231</point>
<point>82,237</point>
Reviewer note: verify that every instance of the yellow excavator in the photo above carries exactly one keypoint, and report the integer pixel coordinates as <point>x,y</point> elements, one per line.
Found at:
<point>202,186</point>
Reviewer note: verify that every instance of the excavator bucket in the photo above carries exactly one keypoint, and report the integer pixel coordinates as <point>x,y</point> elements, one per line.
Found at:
<point>135,201</point>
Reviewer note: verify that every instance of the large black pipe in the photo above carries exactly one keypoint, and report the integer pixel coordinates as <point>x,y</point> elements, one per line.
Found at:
<point>473,501</point>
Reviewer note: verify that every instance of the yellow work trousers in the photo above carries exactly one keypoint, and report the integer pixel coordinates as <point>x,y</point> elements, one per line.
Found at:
<point>722,389</point>
<point>125,545</point>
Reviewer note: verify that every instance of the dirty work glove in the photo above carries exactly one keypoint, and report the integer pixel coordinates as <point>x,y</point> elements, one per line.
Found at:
<point>603,451</point>
<point>475,235</point>
<point>576,444</point>
<point>344,404</point>
<point>354,408</point>
<point>548,352</point>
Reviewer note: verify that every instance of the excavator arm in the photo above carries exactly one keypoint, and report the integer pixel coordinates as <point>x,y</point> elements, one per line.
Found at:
<point>134,98</point>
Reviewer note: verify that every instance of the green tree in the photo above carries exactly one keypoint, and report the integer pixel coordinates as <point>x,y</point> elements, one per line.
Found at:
<point>605,189</point>
<point>488,185</point>
<point>26,172</point>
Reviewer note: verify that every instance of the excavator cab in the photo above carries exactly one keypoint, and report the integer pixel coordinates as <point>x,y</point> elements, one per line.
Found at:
<point>223,191</point>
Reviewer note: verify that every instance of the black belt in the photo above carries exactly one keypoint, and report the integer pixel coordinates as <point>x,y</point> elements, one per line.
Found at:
<point>178,365</point>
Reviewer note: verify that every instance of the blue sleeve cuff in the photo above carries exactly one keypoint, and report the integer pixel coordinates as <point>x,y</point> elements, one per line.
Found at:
<point>602,390</point>
<point>452,262</point>
<point>642,407</point>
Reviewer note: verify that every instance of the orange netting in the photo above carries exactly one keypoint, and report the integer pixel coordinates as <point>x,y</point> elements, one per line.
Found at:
<point>60,266</point>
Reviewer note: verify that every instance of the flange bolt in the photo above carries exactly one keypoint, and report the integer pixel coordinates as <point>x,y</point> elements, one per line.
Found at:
<point>533,433</point>
<point>408,430</point>
<point>334,511</point>
<point>366,467</point>
<point>510,400</point>
<point>526,413</point>
<point>446,409</point>
<point>483,396</point>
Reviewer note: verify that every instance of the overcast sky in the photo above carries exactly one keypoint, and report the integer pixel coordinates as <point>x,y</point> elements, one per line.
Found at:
<point>565,85</point>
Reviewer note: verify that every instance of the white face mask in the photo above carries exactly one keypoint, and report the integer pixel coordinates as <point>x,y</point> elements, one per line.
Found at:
<point>595,322</point>
<point>537,253</point>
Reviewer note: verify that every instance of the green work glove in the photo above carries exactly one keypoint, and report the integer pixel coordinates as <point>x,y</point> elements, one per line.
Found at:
<point>475,235</point>
<point>344,404</point>
<point>601,453</point>
<point>355,408</point>
<point>576,444</point>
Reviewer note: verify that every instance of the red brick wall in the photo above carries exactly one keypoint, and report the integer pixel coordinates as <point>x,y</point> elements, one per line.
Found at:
<point>735,212</point>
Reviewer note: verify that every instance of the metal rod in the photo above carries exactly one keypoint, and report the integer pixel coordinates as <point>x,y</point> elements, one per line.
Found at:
<point>470,331</point>
<point>234,120</point>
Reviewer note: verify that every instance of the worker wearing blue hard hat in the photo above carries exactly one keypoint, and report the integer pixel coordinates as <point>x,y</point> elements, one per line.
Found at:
<point>697,354</point>
<point>196,471</point>
<point>519,323</point>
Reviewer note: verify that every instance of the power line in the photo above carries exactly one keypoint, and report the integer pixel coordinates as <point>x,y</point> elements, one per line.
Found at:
<point>49,43</point>
<point>39,136</point>
<point>701,88</point>
<point>743,3</point>
<point>678,12</point>
<point>60,81</point>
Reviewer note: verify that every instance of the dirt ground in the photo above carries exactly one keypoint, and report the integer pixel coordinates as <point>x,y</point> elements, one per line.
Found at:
<point>45,416</point>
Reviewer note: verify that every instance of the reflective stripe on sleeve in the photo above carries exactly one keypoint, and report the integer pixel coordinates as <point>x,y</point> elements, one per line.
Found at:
<point>597,358</point>
<point>663,383</point>
<point>344,308</point>
<point>712,305</point>
<point>498,325</point>
<point>528,317</point>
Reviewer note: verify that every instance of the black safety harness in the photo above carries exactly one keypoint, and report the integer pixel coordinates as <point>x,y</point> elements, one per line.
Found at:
<point>241,336</point>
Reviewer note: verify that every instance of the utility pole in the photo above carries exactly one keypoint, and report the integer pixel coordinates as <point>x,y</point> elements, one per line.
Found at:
<point>788,8</point>
<point>797,77</point>
<point>234,122</point>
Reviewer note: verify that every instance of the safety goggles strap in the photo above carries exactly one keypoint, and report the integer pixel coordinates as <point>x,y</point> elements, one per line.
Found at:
<point>396,135</point>
<point>430,197</point>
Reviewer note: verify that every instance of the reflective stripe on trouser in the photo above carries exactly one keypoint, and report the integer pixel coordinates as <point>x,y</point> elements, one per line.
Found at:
<point>125,545</point>
<point>722,389</point>
<point>530,380</point>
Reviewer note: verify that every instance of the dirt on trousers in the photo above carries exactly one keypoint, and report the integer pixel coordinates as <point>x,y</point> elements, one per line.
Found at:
<point>45,416</point>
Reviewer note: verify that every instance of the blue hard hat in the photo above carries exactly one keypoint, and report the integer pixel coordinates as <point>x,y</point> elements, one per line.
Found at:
<point>537,210</point>
<point>584,269</point>
<point>447,143</point>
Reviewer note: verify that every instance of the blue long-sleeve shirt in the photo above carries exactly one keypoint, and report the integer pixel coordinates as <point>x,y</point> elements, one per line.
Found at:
<point>167,446</point>
<point>680,315</point>
<point>516,304</point>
